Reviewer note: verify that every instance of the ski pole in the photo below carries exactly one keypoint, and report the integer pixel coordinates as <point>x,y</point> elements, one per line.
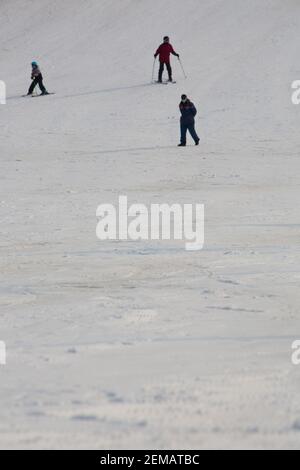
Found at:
<point>153,69</point>
<point>182,68</point>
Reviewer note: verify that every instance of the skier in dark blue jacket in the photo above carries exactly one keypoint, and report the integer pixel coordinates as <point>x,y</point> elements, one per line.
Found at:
<point>187,120</point>
<point>37,78</point>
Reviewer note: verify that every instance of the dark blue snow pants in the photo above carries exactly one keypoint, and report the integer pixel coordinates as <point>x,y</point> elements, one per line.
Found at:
<point>188,126</point>
<point>38,80</point>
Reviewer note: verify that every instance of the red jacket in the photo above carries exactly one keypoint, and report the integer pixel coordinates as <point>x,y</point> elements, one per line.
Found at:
<point>164,51</point>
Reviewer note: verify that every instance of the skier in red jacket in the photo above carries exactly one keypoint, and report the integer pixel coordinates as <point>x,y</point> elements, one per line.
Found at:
<point>164,51</point>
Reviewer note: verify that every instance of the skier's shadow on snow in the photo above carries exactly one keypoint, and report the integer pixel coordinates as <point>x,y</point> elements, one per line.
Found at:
<point>138,149</point>
<point>106,90</point>
<point>127,150</point>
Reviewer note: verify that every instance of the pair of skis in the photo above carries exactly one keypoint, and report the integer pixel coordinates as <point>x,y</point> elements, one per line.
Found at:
<point>36,96</point>
<point>163,82</point>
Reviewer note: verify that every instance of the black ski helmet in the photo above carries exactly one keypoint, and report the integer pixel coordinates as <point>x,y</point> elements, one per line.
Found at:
<point>166,38</point>
<point>183,97</point>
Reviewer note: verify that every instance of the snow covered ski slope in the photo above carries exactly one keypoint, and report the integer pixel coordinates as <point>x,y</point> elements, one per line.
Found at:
<point>140,344</point>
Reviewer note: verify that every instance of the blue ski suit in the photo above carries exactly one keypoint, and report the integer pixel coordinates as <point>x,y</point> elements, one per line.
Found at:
<point>187,121</point>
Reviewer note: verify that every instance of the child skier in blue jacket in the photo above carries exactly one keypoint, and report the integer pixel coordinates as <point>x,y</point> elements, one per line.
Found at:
<point>37,79</point>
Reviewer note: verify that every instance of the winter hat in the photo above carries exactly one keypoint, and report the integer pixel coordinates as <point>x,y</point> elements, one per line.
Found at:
<point>166,38</point>
<point>183,97</point>
<point>34,64</point>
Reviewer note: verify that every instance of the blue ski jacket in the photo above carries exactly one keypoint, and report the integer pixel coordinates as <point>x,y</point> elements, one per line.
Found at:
<point>188,112</point>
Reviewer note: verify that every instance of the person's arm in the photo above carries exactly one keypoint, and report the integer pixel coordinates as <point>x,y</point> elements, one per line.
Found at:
<point>194,110</point>
<point>158,51</point>
<point>173,52</point>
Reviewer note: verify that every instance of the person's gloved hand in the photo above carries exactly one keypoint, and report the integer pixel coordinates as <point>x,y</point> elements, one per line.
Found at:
<point>178,56</point>
<point>155,56</point>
